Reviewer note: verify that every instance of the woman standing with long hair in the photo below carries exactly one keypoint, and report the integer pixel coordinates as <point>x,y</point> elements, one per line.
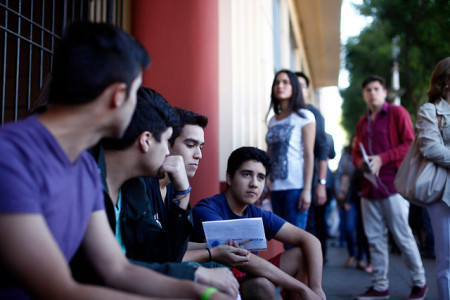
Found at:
<point>290,142</point>
<point>433,134</point>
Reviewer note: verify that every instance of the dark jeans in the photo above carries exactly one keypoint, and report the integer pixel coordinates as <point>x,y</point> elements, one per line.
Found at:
<point>348,219</point>
<point>317,224</point>
<point>285,205</point>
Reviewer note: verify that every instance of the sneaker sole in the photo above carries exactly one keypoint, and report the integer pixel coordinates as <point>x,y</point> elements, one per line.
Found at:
<point>424,296</point>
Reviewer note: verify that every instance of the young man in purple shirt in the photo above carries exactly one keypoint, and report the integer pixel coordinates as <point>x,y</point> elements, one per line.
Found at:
<point>299,269</point>
<point>51,194</point>
<point>386,133</point>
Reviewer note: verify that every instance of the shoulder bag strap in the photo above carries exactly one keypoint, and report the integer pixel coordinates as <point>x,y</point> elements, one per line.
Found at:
<point>439,119</point>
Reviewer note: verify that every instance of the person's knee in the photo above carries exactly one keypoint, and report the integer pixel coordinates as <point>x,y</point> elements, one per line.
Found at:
<point>258,288</point>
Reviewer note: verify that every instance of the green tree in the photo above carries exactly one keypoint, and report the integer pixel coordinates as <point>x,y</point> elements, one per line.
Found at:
<point>422,28</point>
<point>369,53</point>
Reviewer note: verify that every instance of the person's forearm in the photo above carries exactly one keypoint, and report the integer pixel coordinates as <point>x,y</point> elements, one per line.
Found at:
<point>182,201</point>
<point>198,255</point>
<point>314,261</point>
<point>140,280</point>
<point>260,267</point>
<point>322,170</point>
<point>196,246</point>
<point>308,170</point>
<point>87,292</point>
<point>320,194</point>
<point>308,139</point>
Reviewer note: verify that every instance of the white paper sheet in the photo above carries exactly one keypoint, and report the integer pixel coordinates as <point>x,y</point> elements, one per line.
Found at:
<point>247,232</point>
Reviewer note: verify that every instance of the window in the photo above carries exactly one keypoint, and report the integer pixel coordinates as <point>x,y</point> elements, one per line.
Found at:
<point>29,32</point>
<point>276,36</point>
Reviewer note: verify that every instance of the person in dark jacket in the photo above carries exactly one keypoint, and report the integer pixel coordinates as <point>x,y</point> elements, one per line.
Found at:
<point>144,151</point>
<point>162,235</point>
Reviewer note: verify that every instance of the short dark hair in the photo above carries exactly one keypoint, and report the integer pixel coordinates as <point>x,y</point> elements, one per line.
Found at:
<point>153,114</point>
<point>303,75</point>
<point>296,101</point>
<point>89,58</point>
<point>373,78</point>
<point>187,117</point>
<point>243,154</point>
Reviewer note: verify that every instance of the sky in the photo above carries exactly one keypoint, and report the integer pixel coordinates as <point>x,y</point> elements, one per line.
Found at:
<point>351,24</point>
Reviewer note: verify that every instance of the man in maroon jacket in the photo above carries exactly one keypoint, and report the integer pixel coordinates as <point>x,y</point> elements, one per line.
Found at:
<point>385,133</point>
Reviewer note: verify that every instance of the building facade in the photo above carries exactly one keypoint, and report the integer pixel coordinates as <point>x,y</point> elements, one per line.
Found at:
<point>215,57</point>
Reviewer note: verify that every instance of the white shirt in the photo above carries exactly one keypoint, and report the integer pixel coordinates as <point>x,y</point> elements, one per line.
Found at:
<point>285,148</point>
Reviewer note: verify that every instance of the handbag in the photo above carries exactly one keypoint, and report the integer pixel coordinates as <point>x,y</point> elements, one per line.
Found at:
<point>419,180</point>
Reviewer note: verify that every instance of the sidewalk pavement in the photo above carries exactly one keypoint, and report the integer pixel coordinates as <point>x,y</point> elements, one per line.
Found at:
<point>340,283</point>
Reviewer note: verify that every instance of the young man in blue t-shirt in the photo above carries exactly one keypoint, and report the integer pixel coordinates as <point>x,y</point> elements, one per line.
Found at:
<point>299,269</point>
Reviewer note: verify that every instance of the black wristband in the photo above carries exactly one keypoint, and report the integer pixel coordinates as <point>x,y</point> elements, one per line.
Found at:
<point>209,252</point>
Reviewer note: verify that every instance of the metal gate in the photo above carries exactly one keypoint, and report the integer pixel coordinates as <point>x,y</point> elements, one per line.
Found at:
<point>29,32</point>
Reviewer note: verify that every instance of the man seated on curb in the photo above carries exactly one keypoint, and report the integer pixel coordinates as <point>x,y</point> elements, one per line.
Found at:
<point>51,197</point>
<point>297,270</point>
<point>143,151</point>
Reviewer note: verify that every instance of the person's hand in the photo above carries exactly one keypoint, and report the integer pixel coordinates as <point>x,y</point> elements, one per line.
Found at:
<point>375,164</point>
<point>173,165</point>
<point>236,244</point>
<point>313,295</point>
<point>347,206</point>
<point>320,293</point>
<point>230,242</point>
<point>320,194</point>
<point>340,198</point>
<point>304,201</point>
<point>363,166</point>
<point>220,278</point>
<point>230,256</point>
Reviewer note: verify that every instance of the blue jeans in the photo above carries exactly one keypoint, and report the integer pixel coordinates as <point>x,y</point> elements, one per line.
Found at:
<point>285,205</point>
<point>348,223</point>
<point>440,219</point>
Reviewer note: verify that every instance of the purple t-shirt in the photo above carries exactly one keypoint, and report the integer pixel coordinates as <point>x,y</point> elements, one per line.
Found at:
<point>37,177</point>
<point>216,208</point>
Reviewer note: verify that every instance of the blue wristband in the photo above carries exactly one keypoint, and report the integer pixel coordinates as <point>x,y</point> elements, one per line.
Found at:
<point>186,191</point>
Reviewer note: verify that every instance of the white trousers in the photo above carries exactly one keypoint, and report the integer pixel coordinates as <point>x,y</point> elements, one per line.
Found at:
<point>379,215</point>
<point>440,220</point>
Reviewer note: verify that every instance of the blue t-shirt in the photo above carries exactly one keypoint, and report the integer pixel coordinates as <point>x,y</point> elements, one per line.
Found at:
<point>217,208</point>
<point>37,177</point>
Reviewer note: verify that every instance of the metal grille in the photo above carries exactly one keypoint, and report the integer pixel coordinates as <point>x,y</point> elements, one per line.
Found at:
<point>29,32</point>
